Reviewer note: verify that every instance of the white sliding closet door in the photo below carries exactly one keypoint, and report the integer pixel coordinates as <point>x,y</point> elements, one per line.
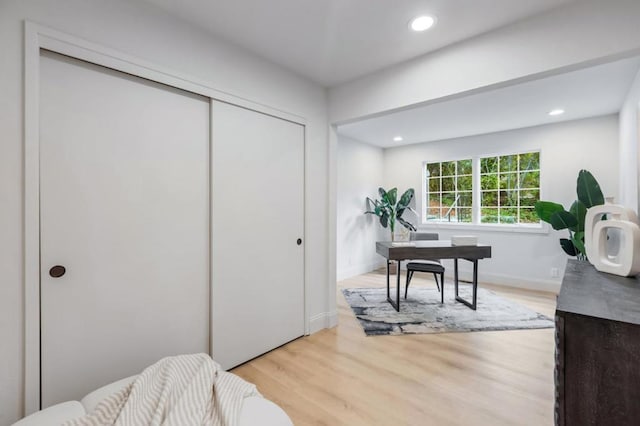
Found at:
<point>124,181</point>
<point>258,217</point>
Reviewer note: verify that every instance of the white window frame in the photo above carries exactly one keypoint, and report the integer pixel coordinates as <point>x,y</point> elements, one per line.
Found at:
<point>498,173</point>
<point>425,188</point>
<point>535,228</point>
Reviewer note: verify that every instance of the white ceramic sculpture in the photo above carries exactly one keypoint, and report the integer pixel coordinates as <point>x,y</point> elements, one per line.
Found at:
<point>627,262</point>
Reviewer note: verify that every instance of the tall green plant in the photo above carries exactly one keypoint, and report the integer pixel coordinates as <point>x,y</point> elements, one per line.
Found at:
<point>390,210</point>
<point>589,195</point>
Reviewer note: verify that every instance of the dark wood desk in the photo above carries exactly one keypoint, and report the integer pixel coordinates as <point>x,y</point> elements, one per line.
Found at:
<point>430,250</point>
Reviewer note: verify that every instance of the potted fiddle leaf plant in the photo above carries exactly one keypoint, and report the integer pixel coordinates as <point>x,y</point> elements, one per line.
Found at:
<point>390,209</point>
<point>589,195</point>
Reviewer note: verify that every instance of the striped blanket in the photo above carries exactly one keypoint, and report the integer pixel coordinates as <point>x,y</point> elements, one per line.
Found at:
<point>182,390</point>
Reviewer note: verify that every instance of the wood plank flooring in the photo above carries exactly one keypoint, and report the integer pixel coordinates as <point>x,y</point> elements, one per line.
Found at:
<point>342,377</point>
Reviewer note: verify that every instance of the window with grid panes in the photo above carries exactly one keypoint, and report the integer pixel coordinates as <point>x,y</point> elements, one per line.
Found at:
<point>449,191</point>
<point>509,188</point>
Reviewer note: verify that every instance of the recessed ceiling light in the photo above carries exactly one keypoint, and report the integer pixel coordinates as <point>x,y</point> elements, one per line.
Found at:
<point>422,23</point>
<point>398,139</point>
<point>557,111</point>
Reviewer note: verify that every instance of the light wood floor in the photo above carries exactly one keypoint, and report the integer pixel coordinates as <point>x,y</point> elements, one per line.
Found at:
<point>342,377</point>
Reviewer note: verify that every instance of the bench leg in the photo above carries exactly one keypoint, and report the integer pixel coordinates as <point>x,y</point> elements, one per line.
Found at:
<point>435,277</point>
<point>406,286</point>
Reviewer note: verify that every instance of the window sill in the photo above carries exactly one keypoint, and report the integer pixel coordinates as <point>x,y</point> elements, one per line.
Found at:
<point>464,227</point>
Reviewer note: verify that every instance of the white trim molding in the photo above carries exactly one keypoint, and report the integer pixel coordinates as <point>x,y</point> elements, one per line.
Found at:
<point>332,227</point>
<point>504,280</point>
<point>360,269</point>
<point>31,220</point>
<point>543,228</point>
<point>37,38</point>
<point>323,320</point>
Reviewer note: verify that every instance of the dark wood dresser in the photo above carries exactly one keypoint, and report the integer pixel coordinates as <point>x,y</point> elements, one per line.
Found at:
<point>597,348</point>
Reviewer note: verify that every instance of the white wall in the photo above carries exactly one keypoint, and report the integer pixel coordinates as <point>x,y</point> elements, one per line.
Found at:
<point>360,174</point>
<point>629,140</point>
<point>578,34</point>
<point>150,34</point>
<point>582,31</point>
<point>521,259</point>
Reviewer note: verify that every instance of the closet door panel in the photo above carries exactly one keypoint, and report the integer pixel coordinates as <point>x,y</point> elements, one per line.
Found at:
<point>258,218</point>
<point>125,209</point>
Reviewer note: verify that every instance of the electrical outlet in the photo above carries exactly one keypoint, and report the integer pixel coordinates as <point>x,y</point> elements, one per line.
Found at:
<point>555,273</point>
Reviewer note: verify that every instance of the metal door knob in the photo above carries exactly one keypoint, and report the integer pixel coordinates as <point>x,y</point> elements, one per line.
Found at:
<point>57,271</point>
<point>299,241</point>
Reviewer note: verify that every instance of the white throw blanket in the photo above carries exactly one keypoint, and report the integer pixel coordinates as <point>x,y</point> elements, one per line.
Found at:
<point>182,390</point>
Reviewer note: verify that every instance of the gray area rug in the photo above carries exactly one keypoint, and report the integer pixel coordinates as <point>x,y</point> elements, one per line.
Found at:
<point>422,312</point>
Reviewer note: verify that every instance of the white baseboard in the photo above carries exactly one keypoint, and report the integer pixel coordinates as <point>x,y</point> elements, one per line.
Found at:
<point>362,268</point>
<point>466,274</point>
<point>524,283</point>
<point>508,281</point>
<point>323,320</point>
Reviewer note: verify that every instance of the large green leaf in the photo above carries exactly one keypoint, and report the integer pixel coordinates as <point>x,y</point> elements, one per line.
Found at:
<point>383,196</point>
<point>404,202</point>
<point>579,210</point>
<point>384,219</point>
<point>371,206</point>
<point>545,209</point>
<point>563,220</point>
<point>406,224</point>
<point>578,241</point>
<point>392,196</point>
<point>568,247</point>
<point>406,198</point>
<point>588,189</point>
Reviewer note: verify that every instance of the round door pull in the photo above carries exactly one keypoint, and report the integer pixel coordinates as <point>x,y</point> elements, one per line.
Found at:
<point>299,241</point>
<point>57,271</point>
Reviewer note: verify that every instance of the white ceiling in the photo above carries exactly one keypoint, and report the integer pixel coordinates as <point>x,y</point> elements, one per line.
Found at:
<point>588,92</point>
<point>333,41</point>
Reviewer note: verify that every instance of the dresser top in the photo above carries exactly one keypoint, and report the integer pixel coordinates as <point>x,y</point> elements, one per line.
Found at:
<point>585,291</point>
